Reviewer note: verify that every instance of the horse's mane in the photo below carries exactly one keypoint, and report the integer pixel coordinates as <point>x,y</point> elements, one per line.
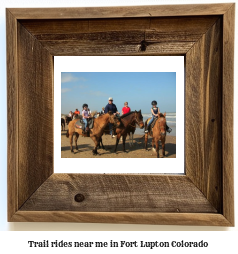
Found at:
<point>161,115</point>
<point>127,114</point>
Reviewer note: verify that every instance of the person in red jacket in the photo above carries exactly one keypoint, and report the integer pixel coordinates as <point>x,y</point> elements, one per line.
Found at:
<point>76,112</point>
<point>125,109</point>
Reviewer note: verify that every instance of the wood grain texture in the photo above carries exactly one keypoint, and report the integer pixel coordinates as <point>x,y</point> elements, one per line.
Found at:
<point>227,113</point>
<point>204,196</point>
<point>204,114</point>
<point>35,102</point>
<point>119,36</point>
<point>118,193</point>
<point>190,219</point>
<point>121,12</point>
<point>189,26</point>
<point>12,116</point>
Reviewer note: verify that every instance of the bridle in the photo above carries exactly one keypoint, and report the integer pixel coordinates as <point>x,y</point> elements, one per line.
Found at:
<point>138,122</point>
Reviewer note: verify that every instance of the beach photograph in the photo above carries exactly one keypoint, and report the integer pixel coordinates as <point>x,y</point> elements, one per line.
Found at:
<point>86,95</point>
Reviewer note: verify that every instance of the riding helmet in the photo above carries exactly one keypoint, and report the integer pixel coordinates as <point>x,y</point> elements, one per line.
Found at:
<point>85,105</point>
<point>154,103</point>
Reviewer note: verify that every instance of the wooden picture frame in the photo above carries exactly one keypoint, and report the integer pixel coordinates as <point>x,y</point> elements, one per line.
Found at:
<point>204,34</point>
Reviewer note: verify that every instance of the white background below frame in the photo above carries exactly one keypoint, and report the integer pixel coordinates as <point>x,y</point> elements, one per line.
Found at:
<point>122,64</point>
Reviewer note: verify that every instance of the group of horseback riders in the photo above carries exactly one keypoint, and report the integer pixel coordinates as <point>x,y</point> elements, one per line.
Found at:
<point>111,122</point>
<point>86,114</point>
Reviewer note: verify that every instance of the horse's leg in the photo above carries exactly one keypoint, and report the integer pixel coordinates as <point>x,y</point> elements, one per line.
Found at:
<point>163,146</point>
<point>96,142</point>
<point>101,143</point>
<point>75,140</point>
<point>157,147</point>
<point>71,142</point>
<point>146,140</point>
<point>124,143</point>
<point>153,143</point>
<point>131,139</point>
<point>117,141</point>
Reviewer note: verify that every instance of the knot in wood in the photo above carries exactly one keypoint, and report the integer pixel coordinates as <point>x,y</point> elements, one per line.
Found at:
<point>143,45</point>
<point>79,198</point>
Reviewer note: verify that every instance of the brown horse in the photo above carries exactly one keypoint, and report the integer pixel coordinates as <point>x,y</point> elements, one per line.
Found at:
<point>158,132</point>
<point>128,124</point>
<point>67,119</point>
<point>95,133</point>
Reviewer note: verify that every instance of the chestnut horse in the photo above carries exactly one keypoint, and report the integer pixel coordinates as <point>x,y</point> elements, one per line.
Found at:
<point>128,124</point>
<point>95,133</point>
<point>157,133</point>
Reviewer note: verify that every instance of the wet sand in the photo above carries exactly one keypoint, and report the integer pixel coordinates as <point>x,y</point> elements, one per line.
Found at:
<point>137,150</point>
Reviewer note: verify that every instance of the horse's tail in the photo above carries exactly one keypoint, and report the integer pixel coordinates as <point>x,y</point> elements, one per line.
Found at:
<point>67,133</point>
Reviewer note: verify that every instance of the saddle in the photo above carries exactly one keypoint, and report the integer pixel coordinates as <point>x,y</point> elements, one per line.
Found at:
<point>154,121</point>
<point>150,129</point>
<point>81,125</point>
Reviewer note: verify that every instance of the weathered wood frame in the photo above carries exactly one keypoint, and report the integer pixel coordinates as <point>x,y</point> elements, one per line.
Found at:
<point>204,34</point>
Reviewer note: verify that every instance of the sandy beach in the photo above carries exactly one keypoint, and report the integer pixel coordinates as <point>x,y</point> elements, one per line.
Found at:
<point>86,145</point>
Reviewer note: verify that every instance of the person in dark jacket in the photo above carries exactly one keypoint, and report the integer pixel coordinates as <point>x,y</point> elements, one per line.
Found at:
<point>113,108</point>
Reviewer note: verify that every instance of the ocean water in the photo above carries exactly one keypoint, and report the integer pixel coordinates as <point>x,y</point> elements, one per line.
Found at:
<point>170,119</point>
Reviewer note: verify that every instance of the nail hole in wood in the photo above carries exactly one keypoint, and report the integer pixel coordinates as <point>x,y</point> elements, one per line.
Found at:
<point>213,120</point>
<point>79,198</point>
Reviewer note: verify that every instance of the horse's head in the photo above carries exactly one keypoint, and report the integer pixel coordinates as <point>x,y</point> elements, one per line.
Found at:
<point>139,119</point>
<point>162,124</point>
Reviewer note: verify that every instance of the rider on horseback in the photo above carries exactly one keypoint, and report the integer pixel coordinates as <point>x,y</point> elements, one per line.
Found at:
<point>113,108</point>
<point>155,113</point>
<point>86,114</point>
